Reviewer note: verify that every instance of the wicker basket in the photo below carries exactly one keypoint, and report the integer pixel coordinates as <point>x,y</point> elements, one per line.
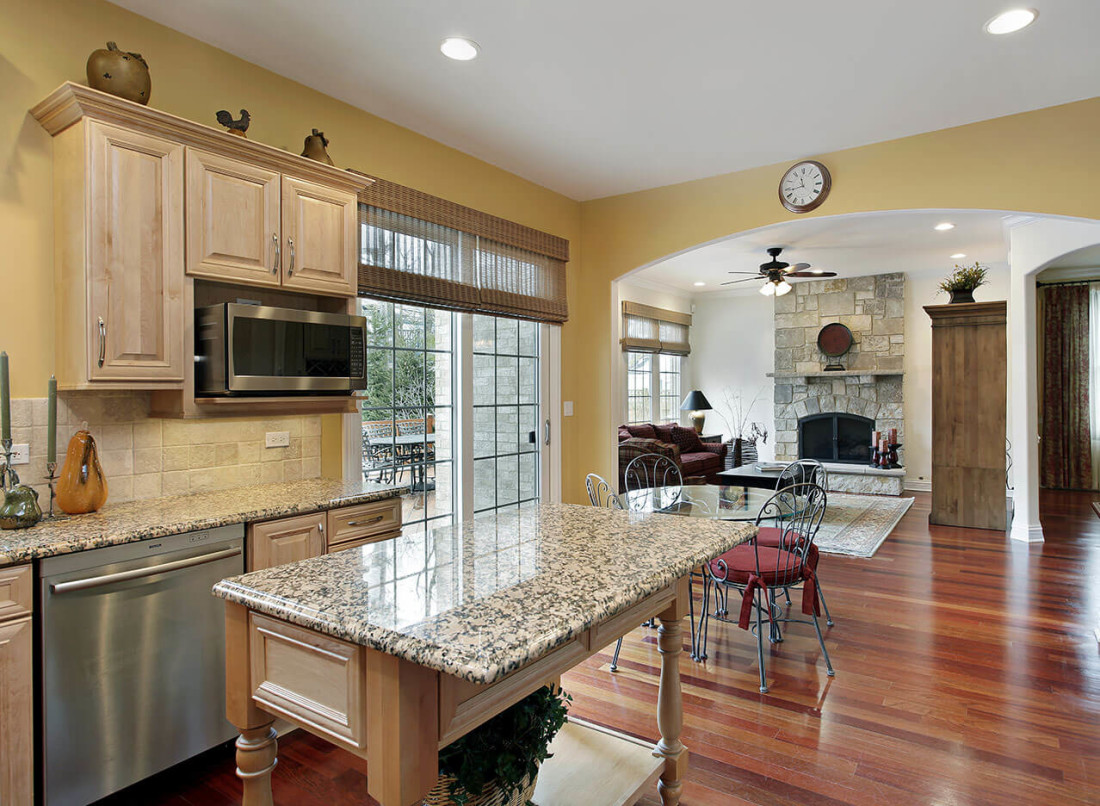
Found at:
<point>491,795</point>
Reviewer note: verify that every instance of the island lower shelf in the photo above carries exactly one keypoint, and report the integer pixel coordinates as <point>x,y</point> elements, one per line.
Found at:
<point>608,767</point>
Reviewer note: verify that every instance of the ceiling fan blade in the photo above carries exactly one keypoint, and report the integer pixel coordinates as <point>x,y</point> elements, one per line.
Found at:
<point>817,274</point>
<point>753,273</point>
<point>742,280</point>
<point>797,267</point>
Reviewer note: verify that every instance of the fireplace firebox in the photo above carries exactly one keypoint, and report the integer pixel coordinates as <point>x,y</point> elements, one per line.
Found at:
<point>835,437</point>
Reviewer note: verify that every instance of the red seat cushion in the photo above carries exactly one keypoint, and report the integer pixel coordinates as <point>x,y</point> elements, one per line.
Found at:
<point>770,536</point>
<point>777,567</point>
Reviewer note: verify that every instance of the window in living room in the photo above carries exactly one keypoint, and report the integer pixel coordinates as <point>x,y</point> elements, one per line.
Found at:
<point>654,343</point>
<point>639,388</point>
<point>668,388</point>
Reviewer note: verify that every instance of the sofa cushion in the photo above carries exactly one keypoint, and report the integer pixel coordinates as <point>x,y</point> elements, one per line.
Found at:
<point>702,463</point>
<point>664,433</point>
<point>687,439</point>
<point>643,431</point>
<point>623,433</point>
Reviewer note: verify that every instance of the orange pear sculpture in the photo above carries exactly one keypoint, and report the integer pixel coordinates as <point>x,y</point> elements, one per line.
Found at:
<point>82,486</point>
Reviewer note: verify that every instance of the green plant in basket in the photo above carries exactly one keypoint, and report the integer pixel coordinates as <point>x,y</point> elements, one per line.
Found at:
<point>505,751</point>
<point>964,278</point>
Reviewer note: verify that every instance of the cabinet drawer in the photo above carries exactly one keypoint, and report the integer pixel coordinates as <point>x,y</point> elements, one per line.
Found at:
<point>363,541</point>
<point>16,591</point>
<point>363,520</point>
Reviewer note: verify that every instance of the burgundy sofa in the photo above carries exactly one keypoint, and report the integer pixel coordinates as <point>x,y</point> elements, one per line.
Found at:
<point>695,458</point>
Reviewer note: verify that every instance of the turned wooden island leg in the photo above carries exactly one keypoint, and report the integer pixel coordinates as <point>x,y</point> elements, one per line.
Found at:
<point>257,745</point>
<point>670,709</point>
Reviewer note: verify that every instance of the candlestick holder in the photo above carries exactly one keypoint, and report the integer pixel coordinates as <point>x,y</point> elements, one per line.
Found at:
<point>892,455</point>
<point>876,455</point>
<point>7,474</point>
<point>51,480</point>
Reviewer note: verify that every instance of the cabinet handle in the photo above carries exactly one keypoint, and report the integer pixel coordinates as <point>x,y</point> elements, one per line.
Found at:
<point>290,243</point>
<point>102,341</point>
<point>375,519</point>
<point>321,527</point>
<point>278,253</point>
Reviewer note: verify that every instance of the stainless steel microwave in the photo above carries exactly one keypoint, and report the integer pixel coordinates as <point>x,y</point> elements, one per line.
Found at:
<point>260,350</point>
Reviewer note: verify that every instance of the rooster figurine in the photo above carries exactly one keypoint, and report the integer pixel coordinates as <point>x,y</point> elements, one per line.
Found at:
<point>237,127</point>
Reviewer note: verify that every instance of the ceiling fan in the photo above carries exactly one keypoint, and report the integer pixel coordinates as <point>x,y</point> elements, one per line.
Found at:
<point>775,273</point>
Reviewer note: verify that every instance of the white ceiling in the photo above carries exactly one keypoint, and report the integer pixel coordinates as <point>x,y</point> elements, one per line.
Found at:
<point>850,245</point>
<point>598,97</point>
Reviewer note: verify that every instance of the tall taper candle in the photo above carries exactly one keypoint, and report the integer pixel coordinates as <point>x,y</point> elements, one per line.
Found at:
<point>51,421</point>
<point>5,398</point>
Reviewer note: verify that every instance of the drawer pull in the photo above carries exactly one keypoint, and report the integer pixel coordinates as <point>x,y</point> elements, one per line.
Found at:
<point>367,522</point>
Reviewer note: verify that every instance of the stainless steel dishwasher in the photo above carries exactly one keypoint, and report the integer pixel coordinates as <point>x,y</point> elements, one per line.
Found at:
<point>132,651</point>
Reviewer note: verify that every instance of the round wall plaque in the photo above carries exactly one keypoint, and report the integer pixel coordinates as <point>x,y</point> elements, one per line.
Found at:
<point>834,340</point>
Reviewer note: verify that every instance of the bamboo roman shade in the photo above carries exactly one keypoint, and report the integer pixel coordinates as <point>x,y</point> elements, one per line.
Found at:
<point>423,249</point>
<point>655,330</point>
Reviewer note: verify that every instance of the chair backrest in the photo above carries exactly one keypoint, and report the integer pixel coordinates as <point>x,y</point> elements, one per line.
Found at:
<point>378,429</point>
<point>600,492</point>
<point>648,471</point>
<point>410,427</point>
<point>796,512</point>
<point>804,471</point>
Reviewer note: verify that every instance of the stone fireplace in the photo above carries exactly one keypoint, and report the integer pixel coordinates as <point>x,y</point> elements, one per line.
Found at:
<point>830,415</point>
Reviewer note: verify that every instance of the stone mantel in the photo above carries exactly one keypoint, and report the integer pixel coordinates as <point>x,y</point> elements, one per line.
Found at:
<point>846,373</point>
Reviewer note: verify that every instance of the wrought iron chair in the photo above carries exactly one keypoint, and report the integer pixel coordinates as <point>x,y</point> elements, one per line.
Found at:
<point>755,571</point>
<point>600,493</point>
<point>802,471</point>
<point>378,455</point>
<point>648,472</point>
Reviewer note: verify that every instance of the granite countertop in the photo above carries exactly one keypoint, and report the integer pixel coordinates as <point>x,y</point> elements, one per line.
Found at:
<point>159,517</point>
<point>481,599</point>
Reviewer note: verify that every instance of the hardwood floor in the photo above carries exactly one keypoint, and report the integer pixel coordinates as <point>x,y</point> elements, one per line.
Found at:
<point>967,673</point>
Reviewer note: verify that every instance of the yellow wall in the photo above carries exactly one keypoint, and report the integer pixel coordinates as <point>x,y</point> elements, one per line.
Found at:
<point>1034,162</point>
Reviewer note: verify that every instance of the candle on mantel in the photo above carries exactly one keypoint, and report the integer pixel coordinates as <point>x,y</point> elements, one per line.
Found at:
<point>893,436</point>
<point>877,438</point>
<point>5,398</point>
<point>51,421</point>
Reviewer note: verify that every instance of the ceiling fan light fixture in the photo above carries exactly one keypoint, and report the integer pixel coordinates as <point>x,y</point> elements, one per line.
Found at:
<point>767,289</point>
<point>1011,21</point>
<point>944,226</point>
<point>698,284</point>
<point>958,256</point>
<point>782,287</point>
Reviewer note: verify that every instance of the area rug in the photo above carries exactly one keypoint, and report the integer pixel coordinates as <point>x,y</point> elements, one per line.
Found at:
<point>857,525</point>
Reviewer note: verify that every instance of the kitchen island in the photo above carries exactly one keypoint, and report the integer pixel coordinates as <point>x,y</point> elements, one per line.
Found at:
<point>395,649</point>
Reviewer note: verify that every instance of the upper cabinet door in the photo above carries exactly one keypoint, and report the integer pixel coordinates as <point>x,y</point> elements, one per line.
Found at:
<point>232,220</point>
<point>135,257</point>
<point>320,251</point>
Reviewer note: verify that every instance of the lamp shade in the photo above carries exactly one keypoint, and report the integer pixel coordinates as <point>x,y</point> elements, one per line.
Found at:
<point>695,401</point>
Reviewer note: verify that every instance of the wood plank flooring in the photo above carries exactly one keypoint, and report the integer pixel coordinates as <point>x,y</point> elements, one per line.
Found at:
<point>967,673</point>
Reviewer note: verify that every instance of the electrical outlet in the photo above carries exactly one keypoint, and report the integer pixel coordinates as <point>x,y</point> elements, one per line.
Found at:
<point>21,454</point>
<point>278,439</point>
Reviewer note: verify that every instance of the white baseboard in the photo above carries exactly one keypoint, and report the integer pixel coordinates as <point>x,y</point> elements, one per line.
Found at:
<point>918,486</point>
<point>1026,534</point>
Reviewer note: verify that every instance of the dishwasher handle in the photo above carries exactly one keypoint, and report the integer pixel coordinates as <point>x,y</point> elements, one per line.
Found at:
<point>137,573</point>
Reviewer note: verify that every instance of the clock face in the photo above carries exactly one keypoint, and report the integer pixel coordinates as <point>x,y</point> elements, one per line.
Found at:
<point>805,186</point>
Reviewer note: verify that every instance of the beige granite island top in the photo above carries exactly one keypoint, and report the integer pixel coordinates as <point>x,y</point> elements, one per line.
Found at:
<point>481,599</point>
<point>159,517</point>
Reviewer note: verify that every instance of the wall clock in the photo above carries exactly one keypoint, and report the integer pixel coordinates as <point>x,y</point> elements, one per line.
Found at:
<point>805,186</point>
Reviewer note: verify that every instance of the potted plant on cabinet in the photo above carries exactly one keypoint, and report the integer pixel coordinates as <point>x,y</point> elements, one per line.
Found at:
<point>743,435</point>
<point>960,284</point>
<point>496,763</point>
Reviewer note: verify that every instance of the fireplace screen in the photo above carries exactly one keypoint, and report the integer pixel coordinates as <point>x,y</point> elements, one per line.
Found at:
<point>835,437</point>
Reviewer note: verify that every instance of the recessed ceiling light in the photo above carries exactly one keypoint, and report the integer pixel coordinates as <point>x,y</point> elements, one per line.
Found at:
<point>459,48</point>
<point>700,284</point>
<point>958,255</point>
<point>1011,21</point>
<point>944,226</point>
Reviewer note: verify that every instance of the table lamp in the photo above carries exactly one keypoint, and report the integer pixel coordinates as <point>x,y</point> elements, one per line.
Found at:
<point>698,405</point>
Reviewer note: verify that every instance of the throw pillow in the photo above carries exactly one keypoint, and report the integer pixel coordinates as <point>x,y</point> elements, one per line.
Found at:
<point>664,433</point>
<point>623,434</point>
<point>644,431</point>
<point>687,439</point>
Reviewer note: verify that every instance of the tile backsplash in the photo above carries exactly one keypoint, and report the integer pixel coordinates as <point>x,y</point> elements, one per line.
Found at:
<point>146,457</point>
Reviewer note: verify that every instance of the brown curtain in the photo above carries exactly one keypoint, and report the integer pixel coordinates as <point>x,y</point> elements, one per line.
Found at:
<point>1066,446</point>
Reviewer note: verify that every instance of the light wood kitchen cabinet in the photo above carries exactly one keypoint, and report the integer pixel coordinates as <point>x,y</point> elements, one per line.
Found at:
<point>319,238</point>
<point>233,225</point>
<point>363,523</point>
<point>16,686</point>
<point>119,261</point>
<point>286,540</point>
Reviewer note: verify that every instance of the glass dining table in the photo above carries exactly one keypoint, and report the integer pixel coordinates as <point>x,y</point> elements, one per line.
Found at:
<point>715,501</point>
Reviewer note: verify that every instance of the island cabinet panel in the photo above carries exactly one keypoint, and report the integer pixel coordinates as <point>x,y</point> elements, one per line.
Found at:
<point>133,331</point>
<point>286,540</point>
<point>320,249</point>
<point>16,687</point>
<point>232,220</point>
<point>311,679</point>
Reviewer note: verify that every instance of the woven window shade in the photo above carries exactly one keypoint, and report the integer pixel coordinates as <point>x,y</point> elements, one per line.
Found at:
<point>655,330</point>
<point>420,248</point>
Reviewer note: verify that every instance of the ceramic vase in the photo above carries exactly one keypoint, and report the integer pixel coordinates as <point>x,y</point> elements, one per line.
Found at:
<point>81,487</point>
